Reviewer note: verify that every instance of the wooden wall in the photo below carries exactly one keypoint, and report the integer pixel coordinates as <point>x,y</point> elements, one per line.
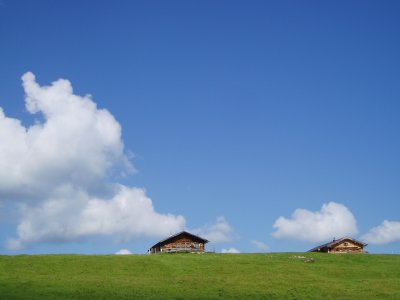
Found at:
<point>347,246</point>
<point>179,244</point>
<point>183,244</point>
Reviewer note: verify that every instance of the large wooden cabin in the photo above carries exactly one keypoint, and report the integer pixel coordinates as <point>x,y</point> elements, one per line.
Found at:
<point>180,242</point>
<point>343,245</point>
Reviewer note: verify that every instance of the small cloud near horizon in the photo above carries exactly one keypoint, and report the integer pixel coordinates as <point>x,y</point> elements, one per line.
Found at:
<point>230,250</point>
<point>123,252</point>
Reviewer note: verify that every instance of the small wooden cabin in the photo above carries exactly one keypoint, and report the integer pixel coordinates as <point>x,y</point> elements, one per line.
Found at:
<point>343,245</point>
<point>180,242</point>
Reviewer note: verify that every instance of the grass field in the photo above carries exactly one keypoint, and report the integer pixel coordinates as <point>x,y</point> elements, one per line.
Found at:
<point>207,276</point>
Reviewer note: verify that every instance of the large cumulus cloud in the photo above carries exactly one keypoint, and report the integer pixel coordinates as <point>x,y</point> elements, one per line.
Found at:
<point>333,220</point>
<point>58,172</point>
<point>76,143</point>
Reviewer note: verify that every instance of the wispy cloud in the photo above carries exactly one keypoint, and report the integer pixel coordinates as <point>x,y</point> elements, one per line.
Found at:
<point>259,245</point>
<point>387,232</point>
<point>220,232</point>
<point>230,250</point>
<point>333,220</point>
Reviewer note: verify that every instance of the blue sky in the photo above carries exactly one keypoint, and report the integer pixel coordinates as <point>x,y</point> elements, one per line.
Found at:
<point>233,114</point>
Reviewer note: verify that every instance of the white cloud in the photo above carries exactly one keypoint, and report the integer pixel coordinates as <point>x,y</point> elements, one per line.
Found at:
<point>259,245</point>
<point>230,250</point>
<point>126,216</point>
<point>77,142</point>
<point>220,232</point>
<point>387,232</point>
<point>58,171</point>
<point>123,252</point>
<point>333,220</point>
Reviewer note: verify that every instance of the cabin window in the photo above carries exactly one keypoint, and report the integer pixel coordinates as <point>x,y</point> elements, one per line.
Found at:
<point>346,243</point>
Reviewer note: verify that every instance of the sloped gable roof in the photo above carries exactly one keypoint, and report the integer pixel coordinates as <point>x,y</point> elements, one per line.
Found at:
<point>165,241</point>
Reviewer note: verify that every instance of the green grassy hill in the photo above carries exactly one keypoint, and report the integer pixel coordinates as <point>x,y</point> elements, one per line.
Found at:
<point>207,276</point>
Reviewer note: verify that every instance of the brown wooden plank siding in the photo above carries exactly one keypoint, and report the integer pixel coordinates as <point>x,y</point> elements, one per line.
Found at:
<point>347,247</point>
<point>181,242</point>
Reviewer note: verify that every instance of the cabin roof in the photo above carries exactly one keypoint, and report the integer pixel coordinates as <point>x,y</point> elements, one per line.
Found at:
<point>165,241</point>
<point>335,242</point>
